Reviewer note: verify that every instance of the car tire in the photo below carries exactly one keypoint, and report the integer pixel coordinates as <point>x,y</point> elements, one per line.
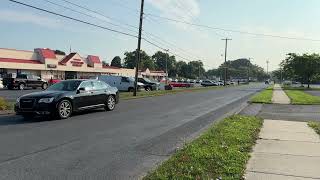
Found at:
<point>21,86</point>
<point>64,109</point>
<point>111,103</point>
<point>44,86</point>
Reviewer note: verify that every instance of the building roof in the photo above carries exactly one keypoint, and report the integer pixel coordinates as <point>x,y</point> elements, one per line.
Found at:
<point>47,53</point>
<point>94,59</point>
<point>12,60</point>
<point>67,58</point>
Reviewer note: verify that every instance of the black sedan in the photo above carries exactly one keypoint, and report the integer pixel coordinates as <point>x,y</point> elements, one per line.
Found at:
<point>63,98</point>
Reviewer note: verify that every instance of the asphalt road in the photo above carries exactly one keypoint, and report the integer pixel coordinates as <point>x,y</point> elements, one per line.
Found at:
<point>123,144</point>
<point>12,95</point>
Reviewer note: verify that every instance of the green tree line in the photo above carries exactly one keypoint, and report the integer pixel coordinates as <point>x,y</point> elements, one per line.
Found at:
<point>239,68</point>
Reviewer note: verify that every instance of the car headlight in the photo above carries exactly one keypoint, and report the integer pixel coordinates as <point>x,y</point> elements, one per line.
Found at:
<point>46,100</point>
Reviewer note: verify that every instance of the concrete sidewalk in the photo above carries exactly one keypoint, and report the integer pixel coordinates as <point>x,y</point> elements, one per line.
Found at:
<point>286,150</point>
<point>279,96</point>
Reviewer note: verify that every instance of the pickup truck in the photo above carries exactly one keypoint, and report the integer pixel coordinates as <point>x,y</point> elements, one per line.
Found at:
<point>21,81</point>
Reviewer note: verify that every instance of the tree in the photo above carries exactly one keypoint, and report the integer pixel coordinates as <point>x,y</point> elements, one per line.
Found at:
<point>130,60</point>
<point>160,59</point>
<point>239,69</point>
<point>304,68</point>
<point>116,62</point>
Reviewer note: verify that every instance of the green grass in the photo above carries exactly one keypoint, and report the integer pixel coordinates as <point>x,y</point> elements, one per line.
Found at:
<point>302,98</point>
<point>128,95</point>
<point>4,105</point>
<point>222,151</point>
<point>315,126</point>
<point>264,96</point>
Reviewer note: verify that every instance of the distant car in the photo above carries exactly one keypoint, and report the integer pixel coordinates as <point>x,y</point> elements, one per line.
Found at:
<point>64,98</point>
<point>53,81</point>
<point>148,84</point>
<point>121,82</point>
<point>22,81</point>
<point>221,83</point>
<point>199,81</point>
<point>206,83</point>
<point>1,83</point>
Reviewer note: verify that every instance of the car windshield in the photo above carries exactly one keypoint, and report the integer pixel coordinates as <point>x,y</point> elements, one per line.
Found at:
<point>65,86</point>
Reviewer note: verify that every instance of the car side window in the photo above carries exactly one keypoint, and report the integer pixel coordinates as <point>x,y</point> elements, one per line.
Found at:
<point>98,85</point>
<point>87,85</point>
<point>124,79</point>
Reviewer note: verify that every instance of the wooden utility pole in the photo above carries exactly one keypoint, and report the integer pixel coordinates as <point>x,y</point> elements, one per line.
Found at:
<point>138,53</point>
<point>225,60</point>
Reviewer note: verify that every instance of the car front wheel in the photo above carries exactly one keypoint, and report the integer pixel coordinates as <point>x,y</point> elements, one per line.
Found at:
<point>64,109</point>
<point>111,103</point>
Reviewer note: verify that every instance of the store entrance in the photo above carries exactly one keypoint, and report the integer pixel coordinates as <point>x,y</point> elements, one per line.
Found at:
<point>70,75</point>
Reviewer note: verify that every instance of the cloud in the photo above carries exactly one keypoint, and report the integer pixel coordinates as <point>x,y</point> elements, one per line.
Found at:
<point>27,17</point>
<point>186,10</point>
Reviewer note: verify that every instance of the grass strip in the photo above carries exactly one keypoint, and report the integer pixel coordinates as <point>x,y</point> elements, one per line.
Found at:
<point>143,94</point>
<point>264,97</point>
<point>221,152</point>
<point>302,98</point>
<point>315,126</point>
<point>5,105</point>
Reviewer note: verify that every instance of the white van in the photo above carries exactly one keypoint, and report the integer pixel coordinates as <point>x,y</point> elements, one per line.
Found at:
<point>121,82</point>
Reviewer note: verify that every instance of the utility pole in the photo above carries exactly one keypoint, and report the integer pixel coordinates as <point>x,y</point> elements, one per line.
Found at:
<point>225,60</point>
<point>138,53</point>
<point>199,68</point>
<point>167,54</point>
<point>249,70</point>
<point>267,67</point>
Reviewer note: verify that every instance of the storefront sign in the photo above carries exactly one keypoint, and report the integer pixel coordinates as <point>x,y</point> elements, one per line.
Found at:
<point>51,66</point>
<point>76,63</point>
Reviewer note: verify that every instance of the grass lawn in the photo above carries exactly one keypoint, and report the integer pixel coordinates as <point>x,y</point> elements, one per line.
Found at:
<point>128,95</point>
<point>222,151</point>
<point>264,96</point>
<point>300,97</point>
<point>4,105</point>
<point>315,126</point>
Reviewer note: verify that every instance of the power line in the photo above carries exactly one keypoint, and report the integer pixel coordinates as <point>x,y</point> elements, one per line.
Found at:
<point>88,15</point>
<point>74,19</point>
<point>230,30</point>
<point>96,12</point>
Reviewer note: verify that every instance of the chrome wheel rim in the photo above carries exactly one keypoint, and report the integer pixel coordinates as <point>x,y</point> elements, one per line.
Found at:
<point>21,86</point>
<point>64,109</point>
<point>45,86</point>
<point>111,102</point>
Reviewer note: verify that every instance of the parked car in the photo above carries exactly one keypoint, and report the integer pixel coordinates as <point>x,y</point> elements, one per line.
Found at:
<point>1,83</point>
<point>22,81</point>
<point>221,83</point>
<point>206,83</point>
<point>148,84</point>
<point>53,81</point>
<point>121,82</point>
<point>64,98</point>
<point>199,81</point>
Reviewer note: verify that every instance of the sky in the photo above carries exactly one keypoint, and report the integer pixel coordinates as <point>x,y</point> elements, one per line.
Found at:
<point>26,28</point>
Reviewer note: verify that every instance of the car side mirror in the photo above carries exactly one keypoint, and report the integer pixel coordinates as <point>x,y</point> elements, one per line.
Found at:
<point>81,90</point>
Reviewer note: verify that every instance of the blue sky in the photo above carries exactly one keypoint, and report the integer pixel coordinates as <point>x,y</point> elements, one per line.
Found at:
<point>25,28</point>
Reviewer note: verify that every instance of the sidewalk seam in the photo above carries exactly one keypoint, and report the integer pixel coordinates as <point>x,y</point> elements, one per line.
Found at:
<point>262,172</point>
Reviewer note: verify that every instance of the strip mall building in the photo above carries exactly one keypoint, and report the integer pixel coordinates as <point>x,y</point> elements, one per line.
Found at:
<point>46,64</point>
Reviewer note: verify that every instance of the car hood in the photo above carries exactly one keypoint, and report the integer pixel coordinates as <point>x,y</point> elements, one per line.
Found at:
<point>43,94</point>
